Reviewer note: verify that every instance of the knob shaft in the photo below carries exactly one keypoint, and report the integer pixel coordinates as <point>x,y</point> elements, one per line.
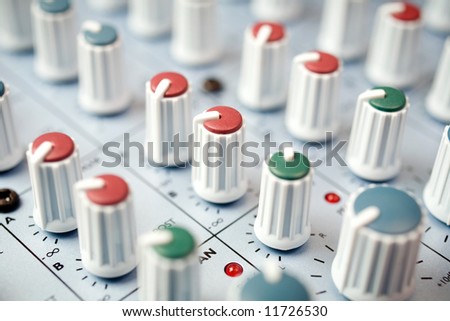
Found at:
<point>54,40</point>
<point>437,15</point>
<point>150,18</point>
<point>375,141</point>
<point>393,52</point>
<point>262,83</point>
<point>277,10</point>
<point>438,99</point>
<point>106,225</point>
<point>15,24</point>
<point>168,267</point>
<point>103,87</point>
<point>219,178</point>
<point>343,30</point>
<point>195,38</point>
<point>313,98</point>
<point>437,191</point>
<point>54,166</point>
<point>283,221</point>
<point>168,118</point>
<point>11,153</point>
<point>379,241</point>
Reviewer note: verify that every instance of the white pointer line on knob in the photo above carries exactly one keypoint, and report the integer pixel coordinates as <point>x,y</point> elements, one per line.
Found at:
<point>262,37</point>
<point>92,26</point>
<point>361,219</point>
<point>288,154</point>
<point>307,57</point>
<point>90,184</point>
<point>160,91</point>
<point>156,238</point>
<point>372,94</point>
<point>272,273</point>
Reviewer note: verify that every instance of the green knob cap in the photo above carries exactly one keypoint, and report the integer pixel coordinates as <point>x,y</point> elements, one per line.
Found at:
<point>181,245</point>
<point>291,169</point>
<point>394,100</point>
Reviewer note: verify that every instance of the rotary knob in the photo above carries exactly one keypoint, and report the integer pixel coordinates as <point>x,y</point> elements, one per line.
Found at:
<point>313,98</point>
<point>438,99</point>
<point>375,141</point>
<point>54,166</point>
<point>107,5</point>
<point>437,191</point>
<point>283,221</point>
<point>150,18</point>
<point>392,58</point>
<point>54,40</point>
<point>343,28</point>
<point>168,267</point>
<point>271,285</point>
<point>15,24</point>
<point>106,225</point>
<point>276,10</point>
<point>437,15</point>
<point>379,240</point>
<point>219,178</point>
<point>168,107</point>
<point>194,34</point>
<point>262,83</point>
<point>11,153</point>
<point>102,80</point>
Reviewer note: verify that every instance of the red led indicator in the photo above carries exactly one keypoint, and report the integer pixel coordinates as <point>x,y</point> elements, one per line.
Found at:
<point>233,269</point>
<point>332,198</point>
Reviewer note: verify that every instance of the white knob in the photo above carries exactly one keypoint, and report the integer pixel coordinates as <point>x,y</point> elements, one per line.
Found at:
<point>217,174</point>
<point>106,225</point>
<point>283,221</point>
<point>150,18</point>
<point>272,284</point>
<point>263,81</point>
<point>392,59</point>
<point>313,100</point>
<point>11,153</point>
<point>195,38</point>
<point>15,24</point>
<point>276,10</point>
<point>375,141</point>
<point>168,268</point>
<point>168,107</point>
<point>437,191</point>
<point>107,5</point>
<point>438,99</point>
<point>437,15</point>
<point>379,240</point>
<point>54,40</point>
<point>102,88</point>
<point>54,166</point>
<point>343,30</point>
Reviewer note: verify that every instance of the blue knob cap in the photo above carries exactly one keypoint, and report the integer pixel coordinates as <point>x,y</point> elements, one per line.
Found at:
<point>54,6</point>
<point>2,88</point>
<point>104,36</point>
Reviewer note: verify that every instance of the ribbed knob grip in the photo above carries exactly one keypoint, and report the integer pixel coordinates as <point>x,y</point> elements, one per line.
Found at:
<point>438,99</point>
<point>54,166</point>
<point>375,141</point>
<point>393,54</point>
<point>106,225</point>
<point>219,178</point>
<point>54,40</point>
<point>263,82</point>
<point>195,38</point>
<point>283,220</point>
<point>103,88</point>
<point>313,100</point>
<point>343,30</point>
<point>378,245</point>
<point>168,267</point>
<point>168,107</point>
<point>437,191</point>
<point>150,18</point>
<point>11,153</point>
<point>15,24</point>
